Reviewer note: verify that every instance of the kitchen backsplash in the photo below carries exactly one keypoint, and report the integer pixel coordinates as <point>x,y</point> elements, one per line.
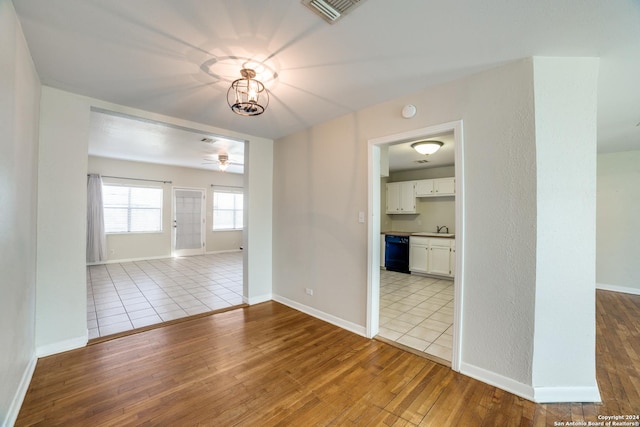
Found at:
<point>433,212</point>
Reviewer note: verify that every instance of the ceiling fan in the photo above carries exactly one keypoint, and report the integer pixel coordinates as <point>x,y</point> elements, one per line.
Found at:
<point>223,162</point>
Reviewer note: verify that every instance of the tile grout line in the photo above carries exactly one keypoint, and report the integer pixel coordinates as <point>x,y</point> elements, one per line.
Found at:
<point>396,285</point>
<point>163,275</point>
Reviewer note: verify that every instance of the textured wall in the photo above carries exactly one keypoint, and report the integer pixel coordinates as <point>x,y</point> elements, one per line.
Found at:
<point>618,228</point>
<point>566,110</point>
<point>19,104</point>
<point>320,184</point>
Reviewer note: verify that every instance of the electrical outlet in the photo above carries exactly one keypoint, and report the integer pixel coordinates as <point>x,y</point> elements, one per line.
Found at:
<point>309,291</point>
<point>361,217</point>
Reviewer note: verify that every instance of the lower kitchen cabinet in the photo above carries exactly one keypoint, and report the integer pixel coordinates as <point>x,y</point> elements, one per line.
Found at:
<point>432,256</point>
<point>418,254</point>
<point>439,257</point>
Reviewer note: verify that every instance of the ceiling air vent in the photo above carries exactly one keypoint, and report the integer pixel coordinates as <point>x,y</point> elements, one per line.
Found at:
<point>332,10</point>
<point>421,161</point>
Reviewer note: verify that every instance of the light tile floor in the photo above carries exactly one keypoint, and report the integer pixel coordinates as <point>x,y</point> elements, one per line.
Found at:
<point>122,297</point>
<point>417,311</point>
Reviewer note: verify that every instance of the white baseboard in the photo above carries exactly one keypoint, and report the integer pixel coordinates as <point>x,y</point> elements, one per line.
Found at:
<point>222,252</point>
<point>535,394</point>
<point>566,394</point>
<point>21,392</point>
<point>62,346</point>
<point>257,300</point>
<point>117,261</point>
<point>344,324</point>
<point>507,384</point>
<point>614,288</point>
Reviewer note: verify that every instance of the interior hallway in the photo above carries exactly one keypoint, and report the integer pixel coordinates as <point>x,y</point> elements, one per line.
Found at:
<point>130,295</point>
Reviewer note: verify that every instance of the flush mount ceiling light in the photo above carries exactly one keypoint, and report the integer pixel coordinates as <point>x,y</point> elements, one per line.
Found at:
<point>427,147</point>
<point>247,96</point>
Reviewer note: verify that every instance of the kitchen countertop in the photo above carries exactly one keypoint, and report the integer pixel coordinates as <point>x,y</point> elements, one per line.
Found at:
<point>397,233</point>
<point>419,234</point>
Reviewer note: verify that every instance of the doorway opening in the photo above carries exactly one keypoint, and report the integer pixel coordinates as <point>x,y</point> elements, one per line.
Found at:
<point>377,161</point>
<point>188,237</point>
<point>182,267</point>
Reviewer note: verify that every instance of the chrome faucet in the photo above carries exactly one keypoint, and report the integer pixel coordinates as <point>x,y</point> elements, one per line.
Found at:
<point>440,227</point>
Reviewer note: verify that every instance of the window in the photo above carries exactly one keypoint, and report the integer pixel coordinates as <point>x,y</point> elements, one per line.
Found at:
<point>227,209</point>
<point>132,209</point>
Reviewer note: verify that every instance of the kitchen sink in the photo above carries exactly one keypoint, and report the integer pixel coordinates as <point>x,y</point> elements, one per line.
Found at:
<point>425,234</point>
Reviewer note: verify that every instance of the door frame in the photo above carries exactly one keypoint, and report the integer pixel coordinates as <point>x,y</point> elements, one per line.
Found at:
<point>203,222</point>
<point>373,276</point>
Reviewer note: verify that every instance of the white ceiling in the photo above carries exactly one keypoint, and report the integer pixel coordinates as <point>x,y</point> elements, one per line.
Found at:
<point>403,157</point>
<point>121,136</point>
<point>178,57</point>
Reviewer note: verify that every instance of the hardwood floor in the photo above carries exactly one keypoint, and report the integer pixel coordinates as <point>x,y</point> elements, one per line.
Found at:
<point>271,365</point>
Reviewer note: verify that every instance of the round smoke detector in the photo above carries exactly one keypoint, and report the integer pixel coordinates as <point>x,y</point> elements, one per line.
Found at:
<point>409,111</point>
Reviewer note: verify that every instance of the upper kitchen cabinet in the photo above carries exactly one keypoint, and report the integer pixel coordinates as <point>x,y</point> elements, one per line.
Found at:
<point>436,187</point>
<point>401,197</point>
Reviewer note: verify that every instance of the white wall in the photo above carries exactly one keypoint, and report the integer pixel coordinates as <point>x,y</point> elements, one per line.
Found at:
<point>19,103</point>
<point>65,121</point>
<point>258,221</point>
<point>150,245</point>
<point>566,111</point>
<point>618,224</point>
<point>320,185</point>
<point>61,322</point>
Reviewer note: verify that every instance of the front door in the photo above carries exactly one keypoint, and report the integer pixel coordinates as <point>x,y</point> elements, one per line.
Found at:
<point>188,222</point>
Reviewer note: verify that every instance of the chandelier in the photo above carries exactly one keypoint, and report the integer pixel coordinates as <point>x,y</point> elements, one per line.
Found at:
<point>247,96</point>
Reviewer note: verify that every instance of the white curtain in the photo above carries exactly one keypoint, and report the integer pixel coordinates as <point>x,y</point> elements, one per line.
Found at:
<point>96,237</point>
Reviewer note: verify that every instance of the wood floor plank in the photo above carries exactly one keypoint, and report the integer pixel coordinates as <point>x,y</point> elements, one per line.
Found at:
<point>269,365</point>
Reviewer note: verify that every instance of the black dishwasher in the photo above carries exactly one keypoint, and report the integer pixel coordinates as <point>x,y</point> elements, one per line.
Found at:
<point>396,253</point>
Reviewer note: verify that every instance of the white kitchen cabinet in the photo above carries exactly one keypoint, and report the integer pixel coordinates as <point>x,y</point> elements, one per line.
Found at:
<point>432,256</point>
<point>453,258</point>
<point>445,186</point>
<point>424,188</point>
<point>439,257</point>
<point>401,197</point>
<point>436,187</point>
<point>418,254</point>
